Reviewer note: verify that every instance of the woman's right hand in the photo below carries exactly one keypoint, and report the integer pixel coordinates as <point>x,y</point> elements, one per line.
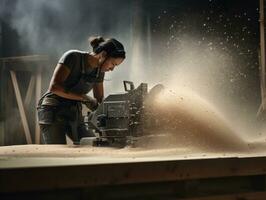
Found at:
<point>90,102</point>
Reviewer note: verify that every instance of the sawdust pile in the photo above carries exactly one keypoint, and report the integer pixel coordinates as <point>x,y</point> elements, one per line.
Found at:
<point>184,119</point>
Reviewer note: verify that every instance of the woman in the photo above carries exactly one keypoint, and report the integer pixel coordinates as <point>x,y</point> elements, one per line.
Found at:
<point>77,72</point>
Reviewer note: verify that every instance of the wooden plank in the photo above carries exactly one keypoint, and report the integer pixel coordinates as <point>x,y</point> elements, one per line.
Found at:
<point>89,175</point>
<point>21,108</point>
<point>2,133</point>
<point>29,92</point>
<point>259,112</point>
<point>38,96</point>
<point>25,58</point>
<point>1,33</point>
<point>2,103</point>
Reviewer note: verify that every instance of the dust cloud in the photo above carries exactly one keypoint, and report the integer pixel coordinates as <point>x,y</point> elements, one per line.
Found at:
<point>184,119</point>
<point>212,74</point>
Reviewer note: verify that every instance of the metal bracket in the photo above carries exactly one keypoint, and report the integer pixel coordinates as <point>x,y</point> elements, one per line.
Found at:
<point>130,84</point>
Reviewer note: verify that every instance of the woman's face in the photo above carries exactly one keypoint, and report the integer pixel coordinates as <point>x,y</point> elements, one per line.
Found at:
<point>110,63</point>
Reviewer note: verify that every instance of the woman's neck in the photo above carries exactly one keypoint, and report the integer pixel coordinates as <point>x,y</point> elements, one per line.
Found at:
<point>92,60</point>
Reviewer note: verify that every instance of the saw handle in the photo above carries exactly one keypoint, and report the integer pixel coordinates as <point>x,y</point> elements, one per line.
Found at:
<point>128,85</point>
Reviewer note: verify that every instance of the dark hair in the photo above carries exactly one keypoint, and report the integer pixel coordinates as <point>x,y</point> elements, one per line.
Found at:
<point>113,47</point>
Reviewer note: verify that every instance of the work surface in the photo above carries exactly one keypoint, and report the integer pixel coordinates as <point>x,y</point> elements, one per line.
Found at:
<point>59,155</point>
<point>49,167</point>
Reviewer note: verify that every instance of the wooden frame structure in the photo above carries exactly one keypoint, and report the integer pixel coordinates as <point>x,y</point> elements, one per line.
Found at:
<point>33,64</point>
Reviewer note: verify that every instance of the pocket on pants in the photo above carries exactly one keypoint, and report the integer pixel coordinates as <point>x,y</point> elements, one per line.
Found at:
<point>66,114</point>
<point>46,114</point>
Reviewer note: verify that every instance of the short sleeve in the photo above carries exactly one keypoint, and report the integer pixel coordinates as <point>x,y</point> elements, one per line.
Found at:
<point>68,59</point>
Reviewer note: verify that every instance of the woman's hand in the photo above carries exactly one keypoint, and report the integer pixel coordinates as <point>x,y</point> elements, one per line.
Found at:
<point>90,102</point>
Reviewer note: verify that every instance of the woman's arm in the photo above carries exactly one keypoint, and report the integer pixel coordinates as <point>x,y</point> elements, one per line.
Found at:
<point>61,72</point>
<point>98,91</point>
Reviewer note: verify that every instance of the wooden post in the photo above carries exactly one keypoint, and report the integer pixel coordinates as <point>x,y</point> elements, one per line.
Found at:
<point>38,96</point>
<point>29,91</point>
<point>21,108</point>
<point>2,89</point>
<point>1,34</point>
<point>2,104</point>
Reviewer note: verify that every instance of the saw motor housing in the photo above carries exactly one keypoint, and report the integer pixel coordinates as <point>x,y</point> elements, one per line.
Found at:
<point>118,119</point>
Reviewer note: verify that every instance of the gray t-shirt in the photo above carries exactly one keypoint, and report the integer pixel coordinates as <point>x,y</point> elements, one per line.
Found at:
<point>74,60</point>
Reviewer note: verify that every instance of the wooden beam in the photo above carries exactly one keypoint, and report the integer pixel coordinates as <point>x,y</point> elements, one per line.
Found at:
<point>29,91</point>
<point>31,58</point>
<point>21,108</point>
<point>3,91</point>
<point>120,173</point>
<point>38,96</point>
